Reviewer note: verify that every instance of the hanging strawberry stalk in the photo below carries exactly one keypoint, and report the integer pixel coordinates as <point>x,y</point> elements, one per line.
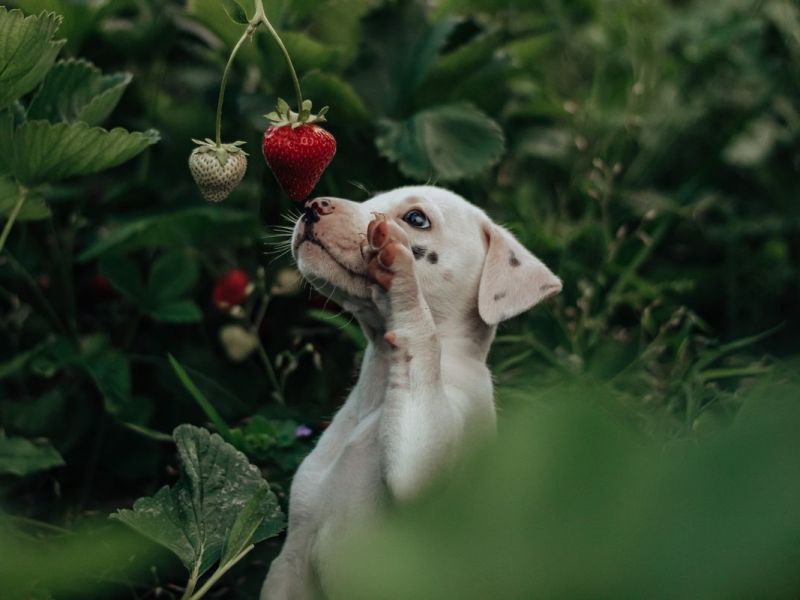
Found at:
<point>296,149</point>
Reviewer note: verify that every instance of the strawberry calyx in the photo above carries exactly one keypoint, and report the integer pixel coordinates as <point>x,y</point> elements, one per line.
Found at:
<point>222,151</point>
<point>283,115</point>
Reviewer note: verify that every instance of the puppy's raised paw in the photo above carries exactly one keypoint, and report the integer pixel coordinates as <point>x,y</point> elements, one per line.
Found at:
<point>387,251</point>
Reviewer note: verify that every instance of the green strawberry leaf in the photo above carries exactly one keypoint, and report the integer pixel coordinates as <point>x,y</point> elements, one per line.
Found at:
<point>27,51</point>
<point>19,456</point>
<point>210,511</point>
<point>205,225</point>
<point>177,311</point>
<point>6,141</point>
<point>76,90</point>
<point>124,275</point>
<point>47,152</point>
<point>446,143</point>
<point>337,92</point>
<point>111,372</point>
<point>245,526</point>
<point>34,209</point>
<point>309,53</point>
<point>80,17</point>
<point>172,276</point>
<point>235,11</point>
<point>402,46</point>
<point>22,359</point>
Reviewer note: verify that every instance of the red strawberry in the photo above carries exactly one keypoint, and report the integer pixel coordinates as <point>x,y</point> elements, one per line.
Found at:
<point>297,150</point>
<point>232,289</point>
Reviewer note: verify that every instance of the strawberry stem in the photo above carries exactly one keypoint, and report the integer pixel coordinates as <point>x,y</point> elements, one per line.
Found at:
<point>23,194</point>
<point>250,28</point>
<point>261,16</point>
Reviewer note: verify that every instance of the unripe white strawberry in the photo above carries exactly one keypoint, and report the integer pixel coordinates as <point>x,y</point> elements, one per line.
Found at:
<point>217,170</point>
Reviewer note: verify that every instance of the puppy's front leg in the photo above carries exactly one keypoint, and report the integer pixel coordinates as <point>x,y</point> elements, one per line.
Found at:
<point>420,426</point>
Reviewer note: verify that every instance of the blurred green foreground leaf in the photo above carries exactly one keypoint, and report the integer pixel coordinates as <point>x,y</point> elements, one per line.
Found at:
<point>572,503</point>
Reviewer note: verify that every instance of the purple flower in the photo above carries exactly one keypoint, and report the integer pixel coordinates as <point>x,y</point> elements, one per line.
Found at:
<point>303,431</point>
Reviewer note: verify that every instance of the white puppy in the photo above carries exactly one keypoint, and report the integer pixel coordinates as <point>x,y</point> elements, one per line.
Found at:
<point>428,276</point>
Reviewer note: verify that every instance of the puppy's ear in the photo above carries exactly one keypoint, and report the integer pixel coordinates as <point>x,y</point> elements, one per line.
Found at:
<point>513,279</point>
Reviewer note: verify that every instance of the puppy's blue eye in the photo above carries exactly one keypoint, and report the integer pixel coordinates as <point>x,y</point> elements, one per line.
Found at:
<point>417,218</point>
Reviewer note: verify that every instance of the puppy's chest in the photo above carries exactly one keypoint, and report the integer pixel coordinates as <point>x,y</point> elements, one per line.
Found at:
<point>342,474</point>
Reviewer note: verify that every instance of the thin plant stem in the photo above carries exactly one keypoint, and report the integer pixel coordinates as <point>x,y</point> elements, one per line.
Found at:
<point>262,353</point>
<point>44,305</point>
<point>192,583</point>
<point>194,577</point>
<point>23,195</point>
<point>250,28</point>
<point>261,17</point>
<point>221,570</point>
<point>41,525</point>
<point>273,378</point>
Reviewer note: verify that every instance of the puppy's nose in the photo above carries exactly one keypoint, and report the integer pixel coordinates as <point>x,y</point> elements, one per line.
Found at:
<point>320,206</point>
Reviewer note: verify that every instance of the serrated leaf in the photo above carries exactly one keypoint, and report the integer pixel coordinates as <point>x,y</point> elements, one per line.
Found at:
<point>446,143</point>
<point>33,209</point>
<point>47,152</point>
<point>206,225</point>
<point>172,276</point>
<point>76,90</point>
<point>235,11</point>
<point>178,311</point>
<point>80,17</point>
<point>19,456</point>
<point>194,517</point>
<point>27,51</point>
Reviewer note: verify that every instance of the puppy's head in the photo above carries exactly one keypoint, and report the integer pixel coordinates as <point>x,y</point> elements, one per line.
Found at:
<point>466,265</point>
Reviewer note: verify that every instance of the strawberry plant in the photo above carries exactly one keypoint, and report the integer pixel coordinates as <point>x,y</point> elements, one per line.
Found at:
<point>56,135</point>
<point>219,509</point>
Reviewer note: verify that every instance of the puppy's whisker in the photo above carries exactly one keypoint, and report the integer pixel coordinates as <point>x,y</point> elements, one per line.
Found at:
<point>291,217</point>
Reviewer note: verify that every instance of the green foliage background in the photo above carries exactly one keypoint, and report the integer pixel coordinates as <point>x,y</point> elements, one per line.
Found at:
<point>648,151</point>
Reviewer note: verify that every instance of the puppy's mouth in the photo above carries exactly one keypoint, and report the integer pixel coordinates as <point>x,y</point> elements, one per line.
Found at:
<point>314,241</point>
<point>307,237</point>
